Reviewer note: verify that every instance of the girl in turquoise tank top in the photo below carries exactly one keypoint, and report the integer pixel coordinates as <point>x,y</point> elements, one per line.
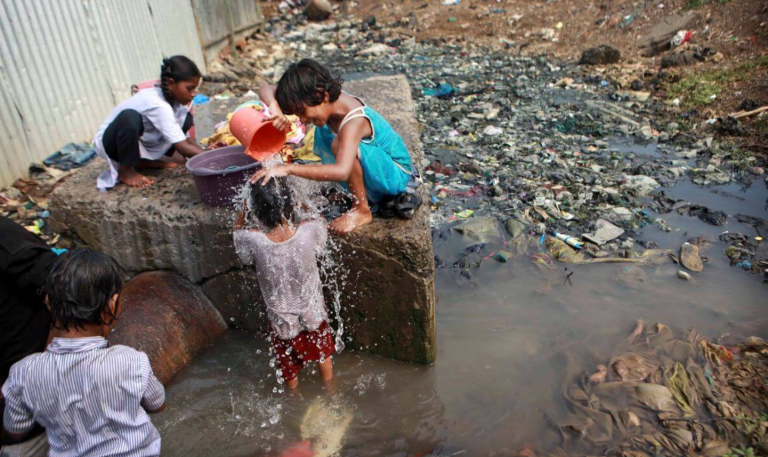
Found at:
<point>357,146</point>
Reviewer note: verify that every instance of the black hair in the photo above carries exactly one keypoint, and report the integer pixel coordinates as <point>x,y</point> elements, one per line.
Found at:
<point>305,84</point>
<point>80,287</point>
<point>272,203</point>
<point>178,68</point>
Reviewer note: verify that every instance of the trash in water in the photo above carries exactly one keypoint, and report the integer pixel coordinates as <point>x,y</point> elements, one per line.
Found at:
<point>689,257</point>
<point>605,232</point>
<point>443,91</point>
<point>569,240</point>
<point>492,131</point>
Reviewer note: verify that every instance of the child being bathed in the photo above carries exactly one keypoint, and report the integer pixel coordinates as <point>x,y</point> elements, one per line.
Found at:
<point>285,256</point>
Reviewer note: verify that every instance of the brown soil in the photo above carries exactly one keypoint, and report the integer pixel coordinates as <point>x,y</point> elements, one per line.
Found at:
<point>737,28</point>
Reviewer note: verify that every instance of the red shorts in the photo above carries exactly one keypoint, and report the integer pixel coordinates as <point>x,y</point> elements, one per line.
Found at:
<point>305,347</point>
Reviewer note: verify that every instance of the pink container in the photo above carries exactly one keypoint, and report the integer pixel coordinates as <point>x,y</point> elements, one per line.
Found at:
<point>261,139</point>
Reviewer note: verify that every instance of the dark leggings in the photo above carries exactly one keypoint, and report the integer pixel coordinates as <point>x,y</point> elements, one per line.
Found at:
<point>121,139</point>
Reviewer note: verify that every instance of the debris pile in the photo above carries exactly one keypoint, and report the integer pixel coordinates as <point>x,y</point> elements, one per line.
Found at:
<point>664,395</point>
<point>558,148</point>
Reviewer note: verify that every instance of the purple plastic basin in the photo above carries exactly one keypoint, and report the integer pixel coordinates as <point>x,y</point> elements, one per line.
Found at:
<point>219,174</point>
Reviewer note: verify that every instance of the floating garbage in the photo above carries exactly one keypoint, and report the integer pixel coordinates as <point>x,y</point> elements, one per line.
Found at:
<point>569,240</point>
<point>444,90</point>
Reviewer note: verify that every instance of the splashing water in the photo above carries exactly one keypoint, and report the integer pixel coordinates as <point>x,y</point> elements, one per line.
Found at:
<point>309,203</point>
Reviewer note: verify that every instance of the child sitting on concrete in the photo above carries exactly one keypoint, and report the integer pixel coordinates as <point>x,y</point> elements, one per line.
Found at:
<point>358,147</point>
<point>285,256</point>
<point>92,399</point>
<point>150,126</point>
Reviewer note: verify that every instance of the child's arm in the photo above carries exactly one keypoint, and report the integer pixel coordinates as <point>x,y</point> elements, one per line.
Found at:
<point>19,420</point>
<point>267,96</point>
<point>153,399</point>
<point>350,138</point>
<point>188,148</point>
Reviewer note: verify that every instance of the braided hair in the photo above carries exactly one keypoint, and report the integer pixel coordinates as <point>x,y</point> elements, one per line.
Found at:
<point>305,84</point>
<point>178,68</point>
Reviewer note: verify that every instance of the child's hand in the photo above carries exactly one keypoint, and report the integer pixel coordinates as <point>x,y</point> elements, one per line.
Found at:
<point>265,174</point>
<point>280,122</point>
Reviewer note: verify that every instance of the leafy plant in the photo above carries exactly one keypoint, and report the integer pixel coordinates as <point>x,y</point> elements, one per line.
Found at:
<point>696,88</point>
<point>693,4</point>
<point>741,452</point>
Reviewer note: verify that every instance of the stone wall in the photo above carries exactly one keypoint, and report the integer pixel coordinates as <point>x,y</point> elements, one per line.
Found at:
<point>388,306</point>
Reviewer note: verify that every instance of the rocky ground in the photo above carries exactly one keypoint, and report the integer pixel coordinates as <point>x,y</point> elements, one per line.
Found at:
<point>730,33</point>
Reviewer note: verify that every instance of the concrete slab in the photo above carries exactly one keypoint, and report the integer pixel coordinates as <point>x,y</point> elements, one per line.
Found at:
<point>388,305</point>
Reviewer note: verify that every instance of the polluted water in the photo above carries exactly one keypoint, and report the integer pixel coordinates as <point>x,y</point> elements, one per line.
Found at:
<point>503,335</point>
<point>499,364</point>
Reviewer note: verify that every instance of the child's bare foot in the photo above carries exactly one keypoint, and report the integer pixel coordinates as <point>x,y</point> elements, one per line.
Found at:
<point>353,219</point>
<point>157,164</point>
<point>131,177</point>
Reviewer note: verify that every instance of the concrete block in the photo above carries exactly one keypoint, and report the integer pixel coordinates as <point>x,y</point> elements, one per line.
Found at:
<point>389,303</point>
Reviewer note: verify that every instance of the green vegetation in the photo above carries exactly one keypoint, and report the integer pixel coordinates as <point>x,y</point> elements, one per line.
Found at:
<point>741,159</point>
<point>754,427</point>
<point>736,452</point>
<point>696,89</point>
<point>761,125</point>
<point>693,4</point>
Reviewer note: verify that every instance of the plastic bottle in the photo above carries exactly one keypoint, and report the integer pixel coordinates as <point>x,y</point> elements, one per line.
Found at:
<point>569,240</point>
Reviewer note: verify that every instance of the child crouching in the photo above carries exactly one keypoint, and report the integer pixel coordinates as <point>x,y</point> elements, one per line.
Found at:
<point>92,399</point>
<point>285,256</point>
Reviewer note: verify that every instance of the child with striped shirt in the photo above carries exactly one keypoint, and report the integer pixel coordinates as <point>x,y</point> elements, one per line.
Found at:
<point>92,399</point>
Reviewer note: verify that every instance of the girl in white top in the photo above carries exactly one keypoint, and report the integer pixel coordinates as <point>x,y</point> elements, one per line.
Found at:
<point>148,126</point>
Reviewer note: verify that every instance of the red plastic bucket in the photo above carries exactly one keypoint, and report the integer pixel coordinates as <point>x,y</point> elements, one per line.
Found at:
<point>220,174</point>
<point>261,139</point>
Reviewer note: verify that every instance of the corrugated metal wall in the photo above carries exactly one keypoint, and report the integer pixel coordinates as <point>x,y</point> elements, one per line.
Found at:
<point>214,20</point>
<point>64,64</point>
<point>219,18</point>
